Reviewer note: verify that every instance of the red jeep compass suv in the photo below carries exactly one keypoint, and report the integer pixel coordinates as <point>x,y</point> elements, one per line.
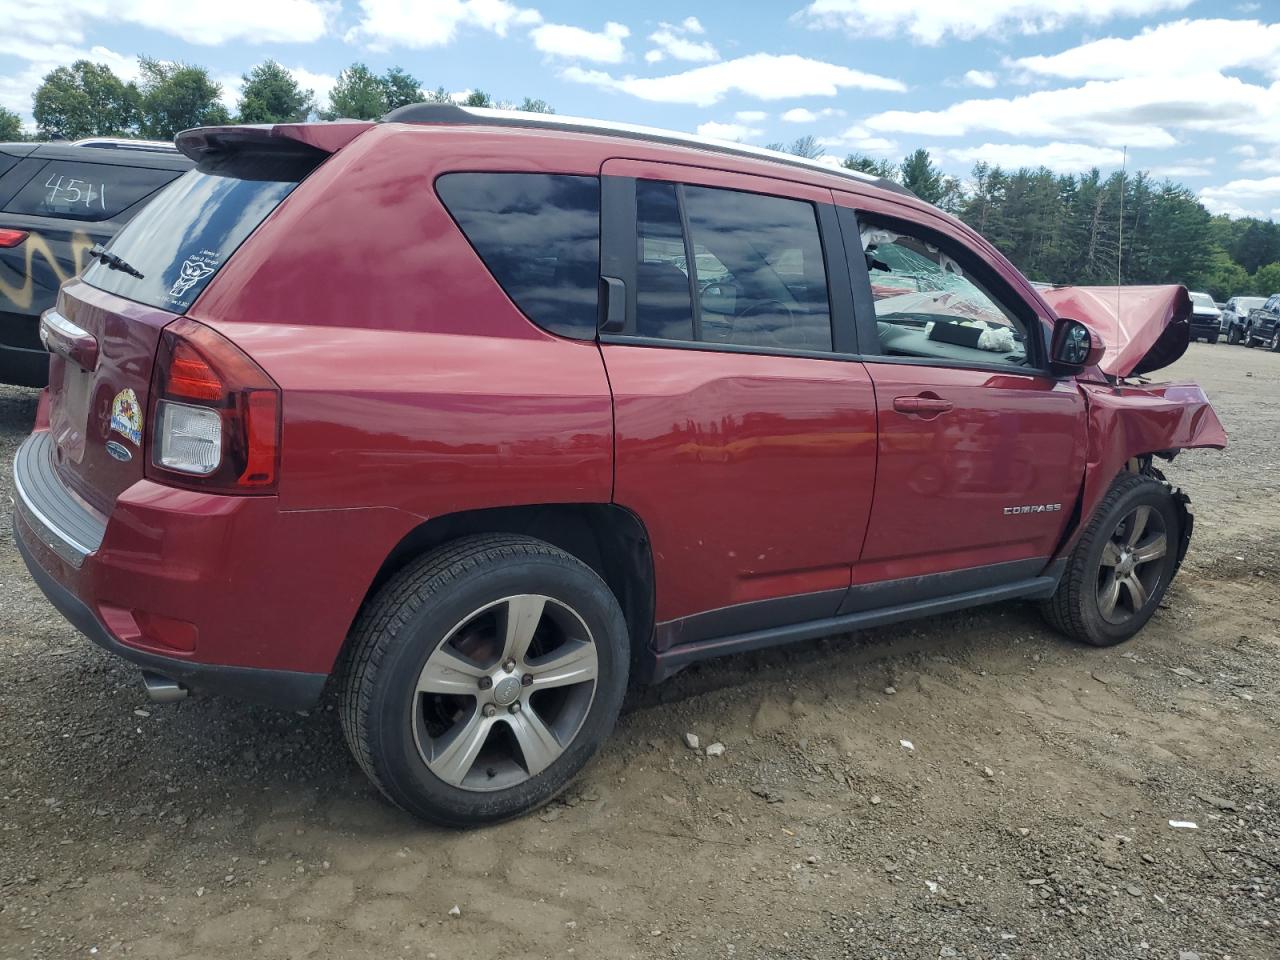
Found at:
<point>481,414</point>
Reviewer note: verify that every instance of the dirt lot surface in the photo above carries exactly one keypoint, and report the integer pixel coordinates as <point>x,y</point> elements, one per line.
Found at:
<point>1029,817</point>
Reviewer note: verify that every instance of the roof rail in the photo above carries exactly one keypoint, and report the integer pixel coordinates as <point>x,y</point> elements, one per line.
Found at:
<point>452,113</point>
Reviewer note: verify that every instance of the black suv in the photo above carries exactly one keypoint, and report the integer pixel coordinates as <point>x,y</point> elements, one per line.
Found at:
<point>56,201</point>
<point>1263,326</point>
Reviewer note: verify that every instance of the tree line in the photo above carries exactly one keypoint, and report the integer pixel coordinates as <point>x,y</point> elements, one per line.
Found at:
<point>88,99</point>
<point>1060,228</point>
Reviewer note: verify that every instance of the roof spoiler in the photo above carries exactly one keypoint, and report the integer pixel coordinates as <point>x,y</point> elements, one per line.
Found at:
<point>302,140</point>
<point>451,113</point>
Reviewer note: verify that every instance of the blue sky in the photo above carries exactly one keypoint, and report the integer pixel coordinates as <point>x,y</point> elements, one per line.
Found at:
<point>1190,87</point>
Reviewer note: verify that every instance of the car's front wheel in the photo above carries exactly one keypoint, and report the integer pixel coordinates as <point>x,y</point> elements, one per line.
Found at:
<point>1274,342</point>
<point>1121,566</point>
<point>1233,334</point>
<point>1248,337</point>
<point>482,677</point>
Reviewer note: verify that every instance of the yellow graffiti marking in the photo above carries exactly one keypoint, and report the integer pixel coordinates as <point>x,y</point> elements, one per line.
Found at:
<point>24,295</point>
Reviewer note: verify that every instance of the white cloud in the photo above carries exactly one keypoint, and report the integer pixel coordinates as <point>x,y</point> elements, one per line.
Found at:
<point>750,116</point>
<point>1267,163</point>
<point>318,83</point>
<point>761,75</point>
<point>980,78</point>
<point>1058,155</point>
<point>859,139</point>
<point>1244,198</point>
<point>805,115</point>
<point>560,40</point>
<point>16,89</point>
<point>1136,111</point>
<point>252,21</point>
<point>1179,47</point>
<point>673,40</point>
<point>409,23</point>
<point>930,21</point>
<point>1175,171</point>
<point>727,131</point>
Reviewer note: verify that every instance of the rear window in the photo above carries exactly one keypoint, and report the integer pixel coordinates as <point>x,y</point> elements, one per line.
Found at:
<point>539,235</point>
<point>184,236</point>
<point>86,191</point>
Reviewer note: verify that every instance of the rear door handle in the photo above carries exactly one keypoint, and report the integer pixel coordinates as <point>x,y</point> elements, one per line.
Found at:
<point>922,406</point>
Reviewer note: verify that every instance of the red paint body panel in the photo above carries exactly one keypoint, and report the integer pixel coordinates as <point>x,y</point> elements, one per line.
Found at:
<point>1127,421</point>
<point>252,579</point>
<point>753,474</point>
<point>943,482</point>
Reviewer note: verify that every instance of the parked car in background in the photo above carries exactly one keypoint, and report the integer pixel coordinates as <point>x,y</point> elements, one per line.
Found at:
<point>1235,315</point>
<point>1206,318</point>
<point>1262,327</point>
<point>56,201</point>
<point>482,414</point>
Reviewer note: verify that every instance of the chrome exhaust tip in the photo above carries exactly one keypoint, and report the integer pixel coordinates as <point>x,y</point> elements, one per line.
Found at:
<point>162,689</point>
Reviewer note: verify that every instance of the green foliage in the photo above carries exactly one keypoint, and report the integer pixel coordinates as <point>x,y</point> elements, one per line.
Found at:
<point>177,96</point>
<point>885,169</point>
<point>1223,278</point>
<point>530,105</point>
<point>400,88</point>
<point>85,100</point>
<point>921,176</point>
<point>1266,280</point>
<point>358,94</point>
<point>10,126</point>
<point>477,98</point>
<point>271,95</point>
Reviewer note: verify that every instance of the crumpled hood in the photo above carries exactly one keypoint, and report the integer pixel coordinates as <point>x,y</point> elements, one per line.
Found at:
<point>1144,328</point>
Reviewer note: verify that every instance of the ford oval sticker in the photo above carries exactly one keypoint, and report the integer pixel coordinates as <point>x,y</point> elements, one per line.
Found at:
<point>119,451</point>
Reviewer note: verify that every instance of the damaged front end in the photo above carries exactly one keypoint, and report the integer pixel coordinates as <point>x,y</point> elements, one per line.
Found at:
<point>1131,422</point>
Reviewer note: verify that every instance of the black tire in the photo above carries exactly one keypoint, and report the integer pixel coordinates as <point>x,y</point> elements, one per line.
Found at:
<point>1275,339</point>
<point>414,615</point>
<point>1248,338</point>
<point>1233,334</point>
<point>1212,338</point>
<point>1075,609</point>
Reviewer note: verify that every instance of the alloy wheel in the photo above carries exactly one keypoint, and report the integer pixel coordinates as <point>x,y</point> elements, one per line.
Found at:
<point>1132,563</point>
<point>505,694</point>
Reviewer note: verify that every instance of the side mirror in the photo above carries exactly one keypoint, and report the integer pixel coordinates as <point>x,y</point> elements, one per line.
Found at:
<point>1074,348</point>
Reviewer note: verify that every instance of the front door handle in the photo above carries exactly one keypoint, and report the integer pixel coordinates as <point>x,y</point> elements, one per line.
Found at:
<point>922,406</point>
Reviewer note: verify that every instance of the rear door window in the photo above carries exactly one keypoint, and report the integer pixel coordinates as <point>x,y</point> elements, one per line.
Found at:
<point>72,190</point>
<point>748,271</point>
<point>539,236</point>
<point>180,240</point>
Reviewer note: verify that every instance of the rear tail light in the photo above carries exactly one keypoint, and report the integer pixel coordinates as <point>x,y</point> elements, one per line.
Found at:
<point>11,238</point>
<point>215,414</point>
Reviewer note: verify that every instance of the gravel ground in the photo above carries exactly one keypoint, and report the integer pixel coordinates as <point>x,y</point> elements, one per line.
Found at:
<point>1029,818</point>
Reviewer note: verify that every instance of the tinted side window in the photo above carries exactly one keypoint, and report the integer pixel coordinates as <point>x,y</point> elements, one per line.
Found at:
<point>539,235</point>
<point>754,261</point>
<point>758,260</point>
<point>664,302</point>
<point>86,191</point>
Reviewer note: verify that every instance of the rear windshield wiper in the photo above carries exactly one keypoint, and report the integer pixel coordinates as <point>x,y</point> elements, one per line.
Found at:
<point>114,262</point>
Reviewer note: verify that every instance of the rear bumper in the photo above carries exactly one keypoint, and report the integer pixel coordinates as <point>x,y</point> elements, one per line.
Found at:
<point>284,689</point>
<point>222,593</point>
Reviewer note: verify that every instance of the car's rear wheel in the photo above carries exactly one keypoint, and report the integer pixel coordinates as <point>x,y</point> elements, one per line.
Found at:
<point>482,677</point>
<point>1121,566</point>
